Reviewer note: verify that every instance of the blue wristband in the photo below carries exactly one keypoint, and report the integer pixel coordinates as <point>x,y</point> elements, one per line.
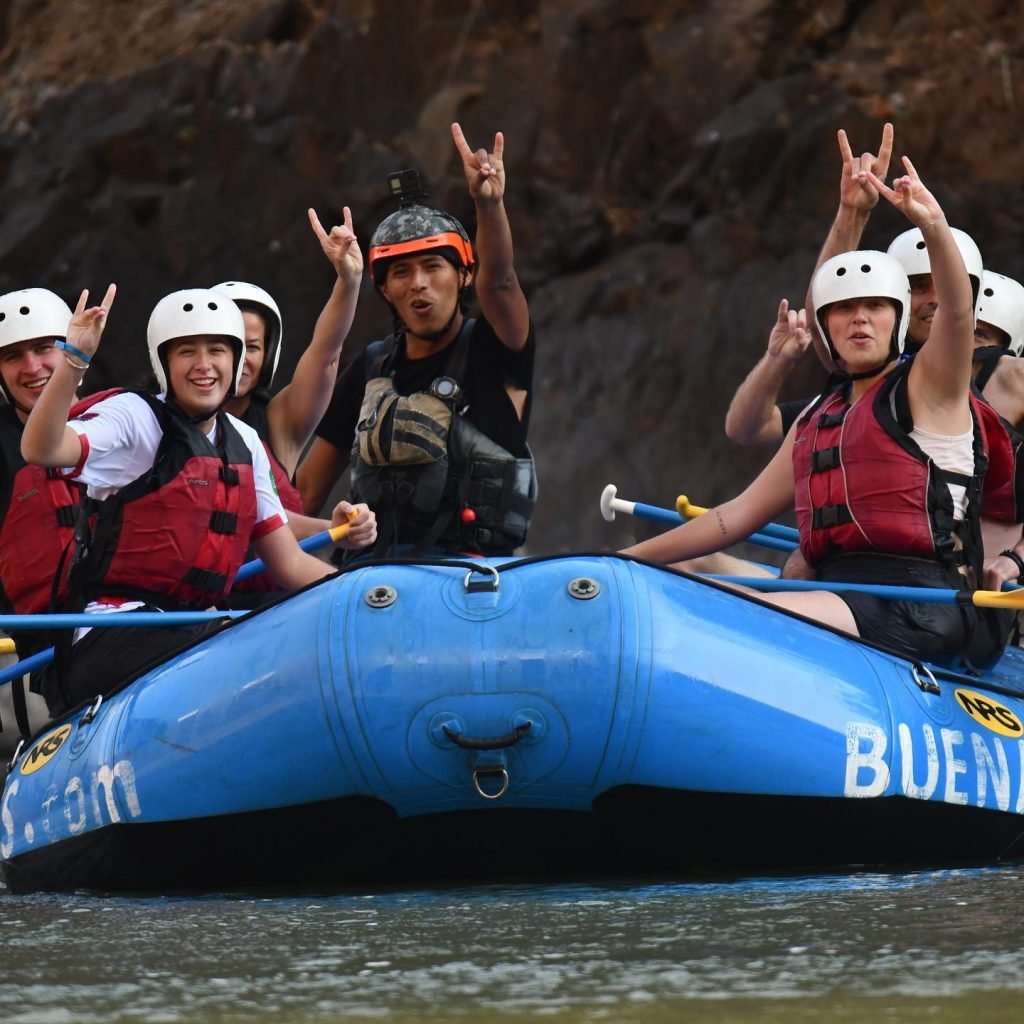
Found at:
<point>76,352</point>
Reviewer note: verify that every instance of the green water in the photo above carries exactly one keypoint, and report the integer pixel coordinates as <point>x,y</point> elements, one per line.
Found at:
<point>936,946</point>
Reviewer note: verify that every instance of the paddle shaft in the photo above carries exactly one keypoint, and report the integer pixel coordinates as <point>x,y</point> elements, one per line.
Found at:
<point>763,538</point>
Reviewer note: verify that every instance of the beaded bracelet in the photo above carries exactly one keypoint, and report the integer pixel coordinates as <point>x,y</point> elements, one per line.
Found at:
<point>69,351</point>
<point>1017,561</point>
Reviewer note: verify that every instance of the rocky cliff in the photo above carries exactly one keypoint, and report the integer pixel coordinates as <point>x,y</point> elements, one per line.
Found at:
<point>672,169</point>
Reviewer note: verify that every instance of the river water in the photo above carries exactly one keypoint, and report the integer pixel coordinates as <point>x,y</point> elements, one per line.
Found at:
<point>933,946</point>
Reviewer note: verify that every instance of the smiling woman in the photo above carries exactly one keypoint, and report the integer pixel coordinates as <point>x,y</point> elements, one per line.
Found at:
<point>182,490</point>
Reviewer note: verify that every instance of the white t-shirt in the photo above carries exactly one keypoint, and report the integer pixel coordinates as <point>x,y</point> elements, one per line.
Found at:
<point>120,437</point>
<point>953,453</point>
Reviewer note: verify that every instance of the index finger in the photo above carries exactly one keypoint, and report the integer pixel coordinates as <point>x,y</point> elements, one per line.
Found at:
<point>83,299</point>
<point>346,216</point>
<point>844,147</point>
<point>911,169</point>
<point>108,299</point>
<point>885,150</point>
<point>460,140</point>
<point>499,145</point>
<point>314,223</point>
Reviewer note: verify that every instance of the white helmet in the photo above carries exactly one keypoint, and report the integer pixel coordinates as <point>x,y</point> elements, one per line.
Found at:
<point>188,314</point>
<point>1002,305</point>
<point>860,275</point>
<point>912,252</point>
<point>32,313</point>
<point>252,296</point>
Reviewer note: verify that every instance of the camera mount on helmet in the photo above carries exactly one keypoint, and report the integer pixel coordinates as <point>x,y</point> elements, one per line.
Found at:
<point>407,187</point>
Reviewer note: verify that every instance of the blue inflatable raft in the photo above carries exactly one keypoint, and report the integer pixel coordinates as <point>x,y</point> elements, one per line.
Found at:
<point>557,717</point>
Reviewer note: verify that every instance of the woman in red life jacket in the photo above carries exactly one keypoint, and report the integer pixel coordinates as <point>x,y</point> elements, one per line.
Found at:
<point>884,470</point>
<point>285,420</point>
<point>181,488</point>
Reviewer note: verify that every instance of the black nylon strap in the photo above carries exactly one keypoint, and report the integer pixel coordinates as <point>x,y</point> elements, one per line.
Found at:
<point>223,522</point>
<point>825,458</point>
<point>831,515</point>
<point>205,579</point>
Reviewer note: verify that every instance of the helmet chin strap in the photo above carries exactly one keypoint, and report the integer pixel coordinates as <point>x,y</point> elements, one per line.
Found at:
<point>875,371</point>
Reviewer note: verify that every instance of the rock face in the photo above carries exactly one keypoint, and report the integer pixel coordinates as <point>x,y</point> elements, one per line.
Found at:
<point>672,170</point>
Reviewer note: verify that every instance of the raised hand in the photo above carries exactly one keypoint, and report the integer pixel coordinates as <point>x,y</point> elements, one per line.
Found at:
<point>86,326</point>
<point>340,246</point>
<point>789,337</point>
<point>857,191</point>
<point>485,173</point>
<point>909,195</point>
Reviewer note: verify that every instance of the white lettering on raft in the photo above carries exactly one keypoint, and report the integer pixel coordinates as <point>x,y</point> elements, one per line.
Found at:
<point>972,768</point>
<point>98,796</point>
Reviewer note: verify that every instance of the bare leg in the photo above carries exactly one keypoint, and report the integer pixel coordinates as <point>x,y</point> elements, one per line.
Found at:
<point>720,564</point>
<point>822,605</point>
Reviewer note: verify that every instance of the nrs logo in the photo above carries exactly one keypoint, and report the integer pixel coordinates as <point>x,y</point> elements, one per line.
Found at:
<point>990,713</point>
<point>44,750</point>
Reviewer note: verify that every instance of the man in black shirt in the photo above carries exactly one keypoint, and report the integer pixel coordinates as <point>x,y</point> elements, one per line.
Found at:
<point>434,418</point>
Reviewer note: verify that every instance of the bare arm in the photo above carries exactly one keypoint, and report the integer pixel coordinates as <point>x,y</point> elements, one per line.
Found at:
<point>1005,390</point>
<point>497,287</point>
<point>858,196</point>
<point>292,567</point>
<point>753,416</point>
<point>769,495</point>
<point>297,408</point>
<point>47,439</point>
<point>940,377</point>
<point>318,472</point>
<point>362,524</point>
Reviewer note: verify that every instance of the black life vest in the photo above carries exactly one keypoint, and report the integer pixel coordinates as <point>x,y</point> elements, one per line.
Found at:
<point>420,463</point>
<point>176,536</point>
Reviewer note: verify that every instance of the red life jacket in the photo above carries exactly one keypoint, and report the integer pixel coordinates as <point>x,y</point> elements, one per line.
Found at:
<point>176,536</point>
<point>38,512</point>
<point>1003,488</point>
<point>264,582</point>
<point>863,484</point>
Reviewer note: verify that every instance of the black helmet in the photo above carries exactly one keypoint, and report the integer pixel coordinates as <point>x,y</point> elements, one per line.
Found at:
<point>413,229</point>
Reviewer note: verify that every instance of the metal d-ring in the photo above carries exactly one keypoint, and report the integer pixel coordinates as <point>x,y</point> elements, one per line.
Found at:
<point>490,770</point>
<point>491,584</point>
<point>17,753</point>
<point>929,685</point>
<point>92,712</point>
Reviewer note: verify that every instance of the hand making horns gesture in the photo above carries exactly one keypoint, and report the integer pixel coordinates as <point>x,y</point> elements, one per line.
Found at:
<point>909,195</point>
<point>340,245</point>
<point>485,173</point>
<point>86,326</point>
<point>857,191</point>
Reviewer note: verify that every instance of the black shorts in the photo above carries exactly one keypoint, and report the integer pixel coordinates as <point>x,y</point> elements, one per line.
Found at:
<point>107,658</point>
<point>934,632</point>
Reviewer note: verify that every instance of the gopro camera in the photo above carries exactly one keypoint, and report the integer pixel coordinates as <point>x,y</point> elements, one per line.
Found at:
<point>406,186</point>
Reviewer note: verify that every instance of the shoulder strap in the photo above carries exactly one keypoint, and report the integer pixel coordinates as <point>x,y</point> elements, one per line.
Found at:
<point>988,359</point>
<point>456,365</point>
<point>378,359</point>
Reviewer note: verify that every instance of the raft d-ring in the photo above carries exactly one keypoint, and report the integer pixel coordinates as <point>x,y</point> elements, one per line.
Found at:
<point>496,771</point>
<point>92,712</point>
<point>17,753</point>
<point>929,685</point>
<point>486,584</point>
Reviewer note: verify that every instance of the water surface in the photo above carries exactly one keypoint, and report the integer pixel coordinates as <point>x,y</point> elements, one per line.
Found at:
<point>936,946</point>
